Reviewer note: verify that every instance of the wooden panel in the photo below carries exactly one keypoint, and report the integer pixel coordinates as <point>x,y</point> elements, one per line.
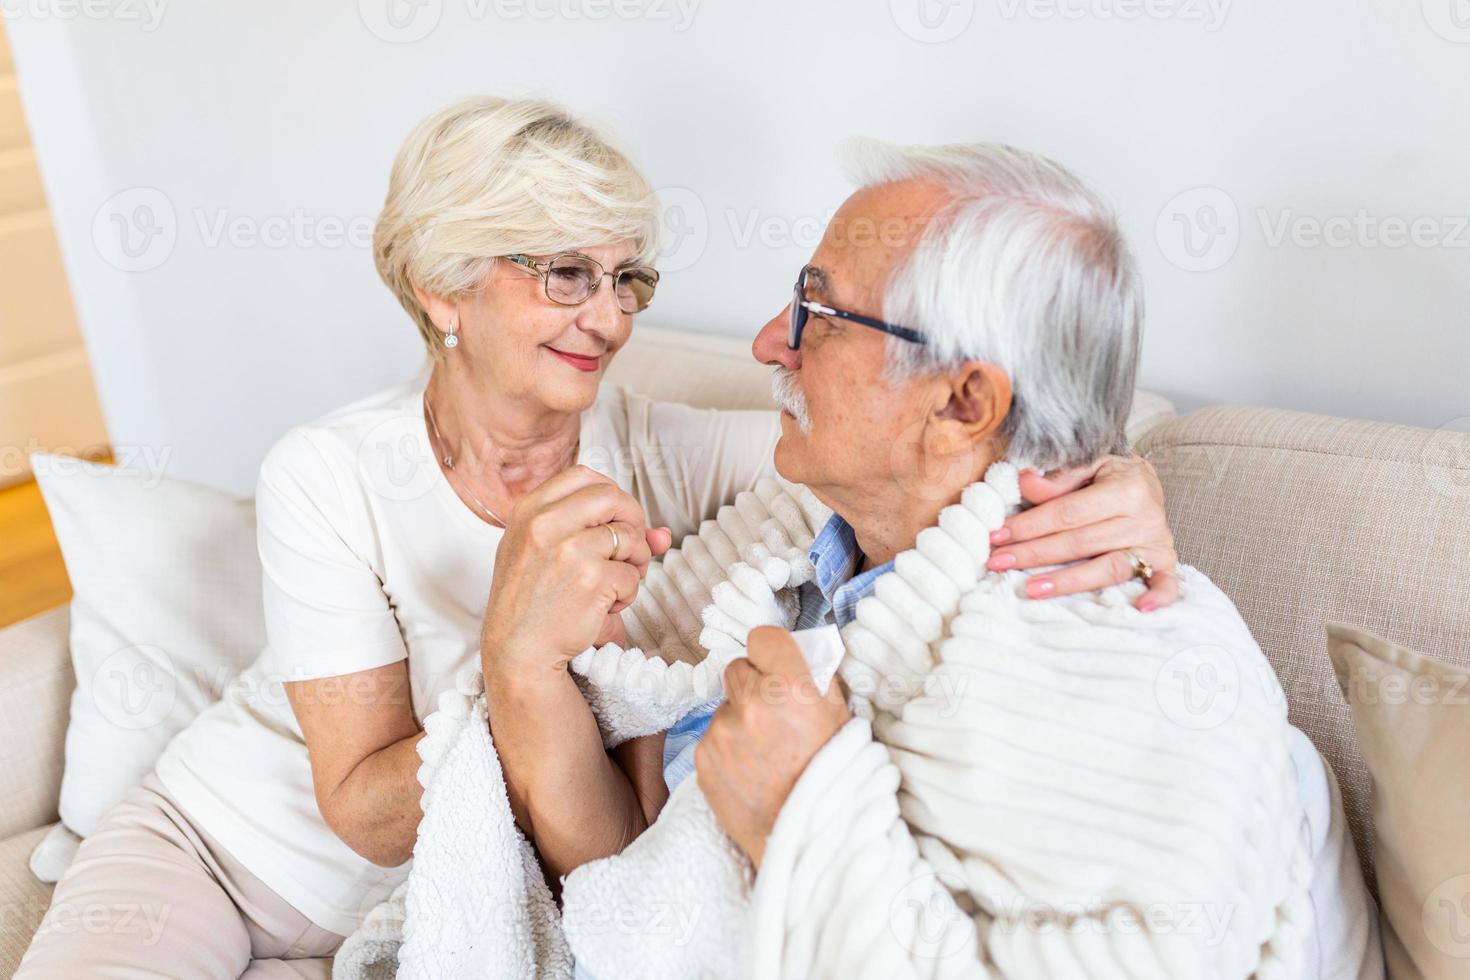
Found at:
<point>47,399</point>
<point>48,404</point>
<point>31,568</point>
<point>36,315</point>
<point>12,118</point>
<point>20,182</point>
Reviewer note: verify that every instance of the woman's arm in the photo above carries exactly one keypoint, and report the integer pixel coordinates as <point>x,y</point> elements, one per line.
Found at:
<point>570,561</point>
<point>692,461</point>
<point>569,795</point>
<point>332,630</point>
<point>363,738</point>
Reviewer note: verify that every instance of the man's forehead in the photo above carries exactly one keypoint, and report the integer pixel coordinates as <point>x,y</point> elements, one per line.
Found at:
<point>869,233</point>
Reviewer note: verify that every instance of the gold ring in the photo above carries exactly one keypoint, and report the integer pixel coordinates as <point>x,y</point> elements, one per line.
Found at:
<point>615,540</point>
<point>1141,568</point>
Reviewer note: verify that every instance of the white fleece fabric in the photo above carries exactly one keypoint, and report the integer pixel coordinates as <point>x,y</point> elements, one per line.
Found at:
<point>476,904</point>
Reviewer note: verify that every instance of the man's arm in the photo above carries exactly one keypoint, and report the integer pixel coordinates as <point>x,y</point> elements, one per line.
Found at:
<point>804,790</point>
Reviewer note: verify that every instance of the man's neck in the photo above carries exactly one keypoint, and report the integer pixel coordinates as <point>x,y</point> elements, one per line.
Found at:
<point>887,517</point>
<point>887,523</point>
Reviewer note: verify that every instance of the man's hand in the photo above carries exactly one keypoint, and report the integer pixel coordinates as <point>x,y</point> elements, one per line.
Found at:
<point>1092,512</point>
<point>760,740</point>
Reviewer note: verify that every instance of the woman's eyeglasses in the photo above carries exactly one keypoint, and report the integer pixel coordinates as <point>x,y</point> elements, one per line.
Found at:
<point>801,307</point>
<point>571,278</point>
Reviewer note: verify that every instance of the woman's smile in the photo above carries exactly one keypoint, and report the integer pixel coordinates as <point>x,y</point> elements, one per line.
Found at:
<point>581,362</point>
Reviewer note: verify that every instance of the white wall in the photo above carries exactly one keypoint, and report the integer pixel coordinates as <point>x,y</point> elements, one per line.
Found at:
<point>1307,110</point>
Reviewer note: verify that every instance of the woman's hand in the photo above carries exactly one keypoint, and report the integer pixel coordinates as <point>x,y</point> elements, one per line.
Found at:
<point>558,588</point>
<point>1091,512</point>
<point>559,582</point>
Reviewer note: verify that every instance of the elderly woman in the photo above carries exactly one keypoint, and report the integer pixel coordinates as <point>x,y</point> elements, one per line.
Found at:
<point>457,519</point>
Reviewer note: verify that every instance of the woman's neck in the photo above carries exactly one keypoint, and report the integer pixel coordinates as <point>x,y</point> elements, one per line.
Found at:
<point>501,445</point>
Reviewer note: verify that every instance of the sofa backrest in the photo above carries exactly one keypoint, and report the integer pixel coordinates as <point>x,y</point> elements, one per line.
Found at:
<point>1305,520</point>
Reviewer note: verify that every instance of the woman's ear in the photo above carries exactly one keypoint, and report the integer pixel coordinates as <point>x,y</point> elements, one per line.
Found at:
<point>442,311</point>
<point>973,402</point>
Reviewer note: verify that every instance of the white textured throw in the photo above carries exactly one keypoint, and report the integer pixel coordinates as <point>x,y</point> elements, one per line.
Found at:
<point>475,905</point>
<point>1067,788</point>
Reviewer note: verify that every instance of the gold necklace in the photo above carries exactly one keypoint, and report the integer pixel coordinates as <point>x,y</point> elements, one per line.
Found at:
<point>449,464</point>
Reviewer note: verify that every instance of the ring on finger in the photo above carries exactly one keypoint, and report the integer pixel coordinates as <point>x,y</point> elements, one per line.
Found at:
<point>1141,568</point>
<point>615,540</point>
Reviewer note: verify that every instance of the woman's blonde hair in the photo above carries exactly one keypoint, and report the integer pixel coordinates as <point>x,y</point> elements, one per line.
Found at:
<point>487,177</point>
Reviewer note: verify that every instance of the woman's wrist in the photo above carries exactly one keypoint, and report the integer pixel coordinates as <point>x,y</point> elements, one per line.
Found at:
<point>509,674</point>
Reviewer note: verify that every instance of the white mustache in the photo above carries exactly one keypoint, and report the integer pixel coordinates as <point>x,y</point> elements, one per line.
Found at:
<point>790,398</point>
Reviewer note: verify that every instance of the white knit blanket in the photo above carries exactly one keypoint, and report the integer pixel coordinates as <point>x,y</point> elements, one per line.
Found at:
<point>1055,789</point>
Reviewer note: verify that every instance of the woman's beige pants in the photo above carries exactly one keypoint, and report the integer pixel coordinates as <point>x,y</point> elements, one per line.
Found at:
<point>150,895</point>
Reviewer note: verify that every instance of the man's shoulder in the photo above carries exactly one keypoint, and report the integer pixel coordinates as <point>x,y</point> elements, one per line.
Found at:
<point>1202,629</point>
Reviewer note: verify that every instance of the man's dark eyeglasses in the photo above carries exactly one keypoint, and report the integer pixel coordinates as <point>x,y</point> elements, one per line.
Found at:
<point>801,308</point>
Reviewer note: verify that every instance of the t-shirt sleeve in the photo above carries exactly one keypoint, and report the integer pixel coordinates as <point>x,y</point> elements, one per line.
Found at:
<point>697,459</point>
<point>326,613</point>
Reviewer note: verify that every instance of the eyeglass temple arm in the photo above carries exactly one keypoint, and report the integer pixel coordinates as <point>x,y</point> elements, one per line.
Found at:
<point>527,262</point>
<point>912,336</point>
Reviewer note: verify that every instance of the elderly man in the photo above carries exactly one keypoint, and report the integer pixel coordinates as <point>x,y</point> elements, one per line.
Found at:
<point>1034,816</point>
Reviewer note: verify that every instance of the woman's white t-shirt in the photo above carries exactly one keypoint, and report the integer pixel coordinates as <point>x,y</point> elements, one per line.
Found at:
<point>369,558</point>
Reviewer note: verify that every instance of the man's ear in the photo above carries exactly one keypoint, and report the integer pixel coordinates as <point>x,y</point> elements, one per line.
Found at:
<point>971,406</point>
<point>442,311</point>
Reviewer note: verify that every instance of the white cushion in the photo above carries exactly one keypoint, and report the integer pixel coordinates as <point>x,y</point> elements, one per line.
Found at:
<point>166,612</point>
<point>54,854</point>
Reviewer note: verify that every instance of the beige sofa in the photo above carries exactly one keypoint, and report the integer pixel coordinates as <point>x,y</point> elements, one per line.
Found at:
<point>1302,519</point>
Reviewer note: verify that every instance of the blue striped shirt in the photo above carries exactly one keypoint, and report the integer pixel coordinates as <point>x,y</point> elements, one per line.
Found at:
<point>832,597</point>
<point>836,557</point>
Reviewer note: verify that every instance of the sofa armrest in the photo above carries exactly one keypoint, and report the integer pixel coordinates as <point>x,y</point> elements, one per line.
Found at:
<point>36,682</point>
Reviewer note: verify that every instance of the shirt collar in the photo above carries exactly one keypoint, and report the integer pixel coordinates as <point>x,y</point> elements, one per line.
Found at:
<point>835,556</point>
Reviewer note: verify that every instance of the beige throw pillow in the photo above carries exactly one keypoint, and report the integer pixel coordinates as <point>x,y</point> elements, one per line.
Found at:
<point>166,611</point>
<point>1412,716</point>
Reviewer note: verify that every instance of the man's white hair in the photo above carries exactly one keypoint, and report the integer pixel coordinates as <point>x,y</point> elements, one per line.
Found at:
<point>1025,268</point>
